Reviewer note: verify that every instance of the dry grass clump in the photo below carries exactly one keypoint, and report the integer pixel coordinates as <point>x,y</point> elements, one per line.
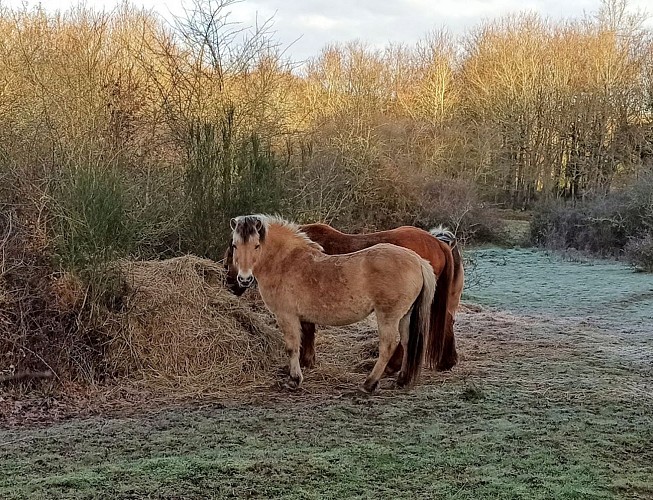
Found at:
<point>38,332</point>
<point>180,329</point>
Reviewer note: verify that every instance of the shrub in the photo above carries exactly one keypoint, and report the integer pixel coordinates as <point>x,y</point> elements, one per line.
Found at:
<point>92,223</point>
<point>620,223</point>
<point>39,307</point>
<point>592,227</point>
<point>639,251</point>
<point>224,177</point>
<point>456,204</point>
<point>349,182</point>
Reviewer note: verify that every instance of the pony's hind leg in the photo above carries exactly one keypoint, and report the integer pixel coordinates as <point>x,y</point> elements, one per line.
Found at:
<point>291,329</point>
<point>387,343</point>
<point>404,326</point>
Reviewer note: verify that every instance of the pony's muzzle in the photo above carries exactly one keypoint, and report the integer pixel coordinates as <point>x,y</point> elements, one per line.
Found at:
<point>245,282</point>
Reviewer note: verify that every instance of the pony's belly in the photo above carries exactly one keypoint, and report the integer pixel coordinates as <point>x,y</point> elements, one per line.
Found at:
<point>321,309</point>
<point>340,319</point>
<point>335,312</point>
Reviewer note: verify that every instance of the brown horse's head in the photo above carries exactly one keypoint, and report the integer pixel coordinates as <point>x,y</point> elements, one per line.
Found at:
<point>248,236</point>
<point>232,273</point>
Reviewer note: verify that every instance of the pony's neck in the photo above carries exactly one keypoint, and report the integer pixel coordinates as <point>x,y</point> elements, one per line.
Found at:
<point>346,243</point>
<point>280,242</point>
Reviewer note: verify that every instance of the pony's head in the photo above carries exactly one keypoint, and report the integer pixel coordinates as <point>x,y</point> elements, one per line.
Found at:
<point>249,233</point>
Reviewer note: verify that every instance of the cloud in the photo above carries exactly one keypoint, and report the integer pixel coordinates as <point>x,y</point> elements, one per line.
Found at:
<point>314,23</point>
<point>306,26</point>
<point>320,22</point>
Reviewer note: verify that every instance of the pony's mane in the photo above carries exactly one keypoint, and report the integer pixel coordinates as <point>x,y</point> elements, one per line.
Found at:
<point>275,220</point>
<point>443,234</point>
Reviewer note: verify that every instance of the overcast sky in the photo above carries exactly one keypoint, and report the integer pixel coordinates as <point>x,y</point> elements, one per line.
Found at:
<point>310,24</point>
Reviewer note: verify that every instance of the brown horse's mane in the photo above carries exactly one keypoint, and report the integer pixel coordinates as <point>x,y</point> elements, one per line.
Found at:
<point>444,234</point>
<point>274,220</point>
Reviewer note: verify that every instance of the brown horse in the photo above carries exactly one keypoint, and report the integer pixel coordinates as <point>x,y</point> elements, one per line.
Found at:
<point>298,282</point>
<point>439,248</point>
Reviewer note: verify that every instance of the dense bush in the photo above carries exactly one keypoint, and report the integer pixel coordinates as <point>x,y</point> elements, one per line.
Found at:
<point>589,227</point>
<point>456,204</point>
<point>225,176</point>
<point>618,224</point>
<point>639,251</point>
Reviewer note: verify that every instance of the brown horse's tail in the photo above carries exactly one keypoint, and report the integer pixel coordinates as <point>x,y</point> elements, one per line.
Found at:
<point>420,322</point>
<point>440,311</point>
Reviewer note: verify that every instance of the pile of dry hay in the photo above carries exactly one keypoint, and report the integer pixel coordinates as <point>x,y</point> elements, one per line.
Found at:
<point>179,328</point>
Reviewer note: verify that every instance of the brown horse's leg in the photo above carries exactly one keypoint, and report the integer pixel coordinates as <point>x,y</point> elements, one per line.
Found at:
<point>307,349</point>
<point>449,354</point>
<point>292,334</point>
<point>387,335</point>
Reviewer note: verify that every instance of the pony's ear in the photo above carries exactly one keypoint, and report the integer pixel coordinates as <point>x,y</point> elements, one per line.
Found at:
<point>233,223</point>
<point>258,225</point>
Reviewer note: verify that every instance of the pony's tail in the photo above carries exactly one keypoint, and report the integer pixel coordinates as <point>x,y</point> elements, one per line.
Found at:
<point>440,320</point>
<point>420,320</point>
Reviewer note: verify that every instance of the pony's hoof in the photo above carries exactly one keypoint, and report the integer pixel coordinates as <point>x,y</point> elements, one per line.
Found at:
<point>447,365</point>
<point>293,383</point>
<point>370,386</point>
<point>402,381</point>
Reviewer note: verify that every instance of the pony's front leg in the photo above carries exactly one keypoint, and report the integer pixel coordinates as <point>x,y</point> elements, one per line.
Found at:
<point>292,334</point>
<point>449,354</point>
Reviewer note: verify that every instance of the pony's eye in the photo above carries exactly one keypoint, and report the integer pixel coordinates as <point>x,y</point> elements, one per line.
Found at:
<point>257,247</point>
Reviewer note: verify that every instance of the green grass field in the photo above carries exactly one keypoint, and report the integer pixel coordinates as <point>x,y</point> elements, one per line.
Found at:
<point>552,399</point>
